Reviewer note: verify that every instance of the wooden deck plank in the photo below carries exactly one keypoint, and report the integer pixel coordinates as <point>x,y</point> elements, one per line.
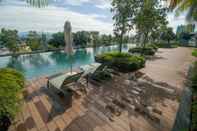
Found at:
<point>60,123</point>
<point>42,111</point>
<point>37,118</point>
<point>104,118</point>
<point>52,126</point>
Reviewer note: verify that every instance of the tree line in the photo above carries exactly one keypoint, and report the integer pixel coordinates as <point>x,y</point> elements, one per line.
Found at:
<point>36,41</point>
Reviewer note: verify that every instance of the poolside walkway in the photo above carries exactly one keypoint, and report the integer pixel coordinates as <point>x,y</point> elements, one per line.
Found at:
<point>157,90</point>
<point>170,65</point>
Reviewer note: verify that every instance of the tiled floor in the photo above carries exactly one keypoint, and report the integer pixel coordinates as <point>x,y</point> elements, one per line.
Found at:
<point>43,110</point>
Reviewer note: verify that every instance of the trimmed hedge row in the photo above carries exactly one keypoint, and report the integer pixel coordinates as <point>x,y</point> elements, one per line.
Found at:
<point>194,101</point>
<point>144,51</point>
<point>194,52</point>
<point>11,85</point>
<point>153,46</point>
<point>164,45</point>
<point>123,62</point>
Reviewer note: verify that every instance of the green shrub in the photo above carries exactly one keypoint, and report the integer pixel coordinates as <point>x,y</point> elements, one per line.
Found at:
<point>143,51</point>
<point>153,46</point>
<point>102,76</point>
<point>194,52</point>
<point>194,103</point>
<point>194,77</point>
<point>123,62</point>
<point>165,45</point>
<point>12,83</point>
<point>194,115</point>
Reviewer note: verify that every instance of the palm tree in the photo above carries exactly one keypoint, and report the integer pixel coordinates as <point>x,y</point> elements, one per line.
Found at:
<point>38,3</point>
<point>185,5</point>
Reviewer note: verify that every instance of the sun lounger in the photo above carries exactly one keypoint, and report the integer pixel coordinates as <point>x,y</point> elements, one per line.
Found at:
<point>60,83</point>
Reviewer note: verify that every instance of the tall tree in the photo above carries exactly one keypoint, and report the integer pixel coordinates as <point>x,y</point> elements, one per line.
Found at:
<point>81,38</point>
<point>168,34</point>
<point>94,35</point>
<point>10,39</point>
<point>123,13</point>
<point>57,40</point>
<point>150,17</point>
<point>34,40</point>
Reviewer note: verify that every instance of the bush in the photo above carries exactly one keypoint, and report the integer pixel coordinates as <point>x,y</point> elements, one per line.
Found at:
<point>153,46</point>
<point>194,115</point>
<point>164,45</point>
<point>102,76</point>
<point>194,77</point>
<point>194,103</point>
<point>123,62</point>
<point>12,83</point>
<point>143,51</point>
<point>194,52</point>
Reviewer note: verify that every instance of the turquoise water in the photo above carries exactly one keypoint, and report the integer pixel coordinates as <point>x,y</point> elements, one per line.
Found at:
<point>36,65</point>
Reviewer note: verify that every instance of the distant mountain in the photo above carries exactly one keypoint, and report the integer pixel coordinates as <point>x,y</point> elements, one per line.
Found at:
<point>22,34</point>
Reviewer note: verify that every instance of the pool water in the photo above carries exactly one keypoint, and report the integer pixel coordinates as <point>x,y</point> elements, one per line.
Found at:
<point>36,65</point>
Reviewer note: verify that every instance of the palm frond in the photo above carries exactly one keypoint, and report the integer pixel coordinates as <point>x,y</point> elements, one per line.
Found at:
<point>190,6</point>
<point>175,3</point>
<point>38,3</point>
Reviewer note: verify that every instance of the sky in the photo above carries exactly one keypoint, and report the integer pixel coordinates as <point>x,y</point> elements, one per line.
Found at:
<point>89,15</point>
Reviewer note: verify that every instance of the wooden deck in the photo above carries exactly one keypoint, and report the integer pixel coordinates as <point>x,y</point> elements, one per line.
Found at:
<point>118,105</point>
<point>44,110</point>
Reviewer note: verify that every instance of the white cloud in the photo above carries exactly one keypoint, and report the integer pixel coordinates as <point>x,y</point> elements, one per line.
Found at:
<point>49,19</point>
<point>102,4</point>
<point>76,2</point>
<point>174,21</point>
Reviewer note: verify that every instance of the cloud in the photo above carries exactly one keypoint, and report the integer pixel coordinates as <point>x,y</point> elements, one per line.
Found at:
<point>102,4</point>
<point>174,21</point>
<point>17,14</point>
<point>49,19</point>
<point>76,2</point>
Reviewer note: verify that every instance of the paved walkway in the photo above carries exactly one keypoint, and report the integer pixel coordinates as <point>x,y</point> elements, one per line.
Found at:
<point>148,104</point>
<point>170,65</point>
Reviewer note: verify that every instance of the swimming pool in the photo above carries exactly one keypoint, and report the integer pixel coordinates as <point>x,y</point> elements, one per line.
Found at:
<point>36,65</point>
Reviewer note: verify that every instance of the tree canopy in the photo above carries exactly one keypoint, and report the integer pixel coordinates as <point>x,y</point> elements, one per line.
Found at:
<point>185,5</point>
<point>123,14</point>
<point>168,34</point>
<point>34,40</point>
<point>81,38</point>
<point>10,39</point>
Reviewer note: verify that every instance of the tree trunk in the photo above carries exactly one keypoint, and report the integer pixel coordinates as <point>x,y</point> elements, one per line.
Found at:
<point>144,43</point>
<point>121,42</point>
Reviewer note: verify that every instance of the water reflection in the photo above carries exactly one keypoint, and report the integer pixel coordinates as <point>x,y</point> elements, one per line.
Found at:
<point>82,56</point>
<point>16,63</point>
<point>59,57</point>
<point>37,60</point>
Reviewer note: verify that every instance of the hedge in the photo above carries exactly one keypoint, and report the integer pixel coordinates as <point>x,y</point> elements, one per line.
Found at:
<point>11,85</point>
<point>143,51</point>
<point>164,45</point>
<point>123,62</point>
<point>194,102</point>
<point>153,46</point>
<point>194,52</point>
